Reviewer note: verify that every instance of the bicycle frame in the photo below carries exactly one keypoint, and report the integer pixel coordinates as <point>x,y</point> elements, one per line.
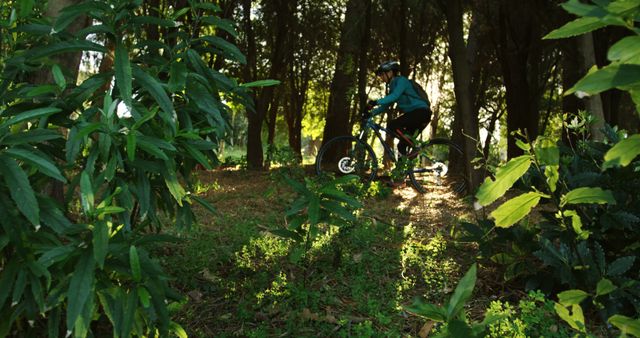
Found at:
<point>376,128</point>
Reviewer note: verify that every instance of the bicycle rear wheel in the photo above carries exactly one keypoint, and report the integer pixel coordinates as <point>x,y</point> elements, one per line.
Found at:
<point>436,165</point>
<point>346,155</point>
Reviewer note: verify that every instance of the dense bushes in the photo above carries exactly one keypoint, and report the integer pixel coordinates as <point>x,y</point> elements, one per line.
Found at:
<point>122,152</point>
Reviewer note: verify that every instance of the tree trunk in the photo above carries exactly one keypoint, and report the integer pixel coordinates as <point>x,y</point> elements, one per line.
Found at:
<point>285,10</point>
<point>342,87</point>
<point>254,133</point>
<point>466,118</point>
<point>593,102</point>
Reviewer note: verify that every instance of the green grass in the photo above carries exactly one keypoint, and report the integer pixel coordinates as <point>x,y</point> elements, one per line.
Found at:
<point>242,281</point>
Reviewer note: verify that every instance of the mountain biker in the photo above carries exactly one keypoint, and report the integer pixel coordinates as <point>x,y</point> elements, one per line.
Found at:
<point>416,113</point>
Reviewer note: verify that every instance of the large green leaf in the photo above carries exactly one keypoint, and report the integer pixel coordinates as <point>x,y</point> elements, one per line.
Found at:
<point>626,49</point>
<point>626,325</point>
<point>605,287</point>
<point>623,152</point>
<point>20,189</point>
<point>175,188</point>
<point>123,73</point>
<point>431,311</point>
<point>581,9</point>
<point>81,285</point>
<point>260,83</point>
<point>30,136</point>
<point>223,24</point>
<point>612,76</point>
<point>576,27</point>
<point>65,47</point>
<point>620,266</point>
<point>100,242</point>
<point>30,115</point>
<point>572,297</point>
<point>227,48</point>
<point>134,262</point>
<point>506,176</point>
<point>38,160</point>
<point>575,318</point>
<point>177,76</point>
<point>587,195</point>
<point>462,293</point>
<point>153,87</point>
<point>86,191</point>
<point>515,209</point>
<point>314,210</point>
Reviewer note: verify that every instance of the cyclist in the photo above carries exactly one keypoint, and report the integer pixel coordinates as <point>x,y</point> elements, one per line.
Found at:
<point>416,113</point>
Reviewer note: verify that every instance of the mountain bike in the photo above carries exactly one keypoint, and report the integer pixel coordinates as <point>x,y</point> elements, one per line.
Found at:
<point>426,163</point>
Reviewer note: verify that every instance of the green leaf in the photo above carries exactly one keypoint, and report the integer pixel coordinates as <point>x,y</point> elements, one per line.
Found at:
<point>612,76</point>
<point>626,325</point>
<point>572,297</point>
<point>20,189</point>
<point>506,176</point>
<point>153,87</point>
<point>462,293</point>
<point>205,204</point>
<point>605,287</point>
<point>515,209</point>
<point>123,73</point>
<point>624,50</point>
<point>576,27</point>
<point>30,115</point>
<point>177,76</point>
<point>314,210</point>
<point>100,242</point>
<point>260,83</point>
<point>430,311</point>
<point>131,146</point>
<point>31,136</point>
<point>587,195</point>
<point>623,152</point>
<point>176,190</point>
<point>581,9</point>
<point>81,285</point>
<point>86,192</point>
<point>620,266</point>
<point>576,224</point>
<point>134,261</point>
<point>37,159</point>
<point>223,24</point>
<point>227,48</point>
<point>64,47</point>
<point>56,254</point>
<point>552,176</point>
<point>284,233</point>
<point>144,296</point>
<point>176,329</point>
<point>58,77</point>
<point>575,318</point>
<point>151,20</point>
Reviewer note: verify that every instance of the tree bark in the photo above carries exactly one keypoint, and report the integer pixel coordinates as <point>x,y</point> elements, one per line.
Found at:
<point>466,119</point>
<point>593,102</point>
<point>342,89</point>
<point>519,56</point>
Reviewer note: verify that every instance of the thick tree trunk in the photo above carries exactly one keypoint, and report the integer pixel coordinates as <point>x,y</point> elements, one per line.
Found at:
<point>593,102</point>
<point>466,118</point>
<point>285,10</point>
<point>256,117</point>
<point>519,56</point>
<point>342,89</point>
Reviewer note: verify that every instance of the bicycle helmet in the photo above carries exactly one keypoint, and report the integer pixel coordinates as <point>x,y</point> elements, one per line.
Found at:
<point>388,66</point>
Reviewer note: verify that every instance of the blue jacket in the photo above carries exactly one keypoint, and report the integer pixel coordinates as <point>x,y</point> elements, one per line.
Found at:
<point>402,92</point>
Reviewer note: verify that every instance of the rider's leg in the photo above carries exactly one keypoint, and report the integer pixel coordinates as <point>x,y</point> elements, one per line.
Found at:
<point>407,125</point>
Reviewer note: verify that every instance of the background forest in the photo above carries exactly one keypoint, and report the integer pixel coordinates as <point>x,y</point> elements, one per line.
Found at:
<point>153,156</point>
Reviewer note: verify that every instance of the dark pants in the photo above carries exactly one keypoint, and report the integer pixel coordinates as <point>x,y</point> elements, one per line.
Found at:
<point>407,126</point>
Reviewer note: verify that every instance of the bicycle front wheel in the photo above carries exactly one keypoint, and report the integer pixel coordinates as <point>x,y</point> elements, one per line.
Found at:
<point>346,155</point>
<point>438,165</point>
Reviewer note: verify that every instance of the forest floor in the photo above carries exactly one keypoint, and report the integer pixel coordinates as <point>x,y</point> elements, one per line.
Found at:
<point>243,281</point>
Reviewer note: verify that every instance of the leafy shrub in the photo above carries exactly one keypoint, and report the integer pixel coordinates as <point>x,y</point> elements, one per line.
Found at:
<point>78,263</point>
